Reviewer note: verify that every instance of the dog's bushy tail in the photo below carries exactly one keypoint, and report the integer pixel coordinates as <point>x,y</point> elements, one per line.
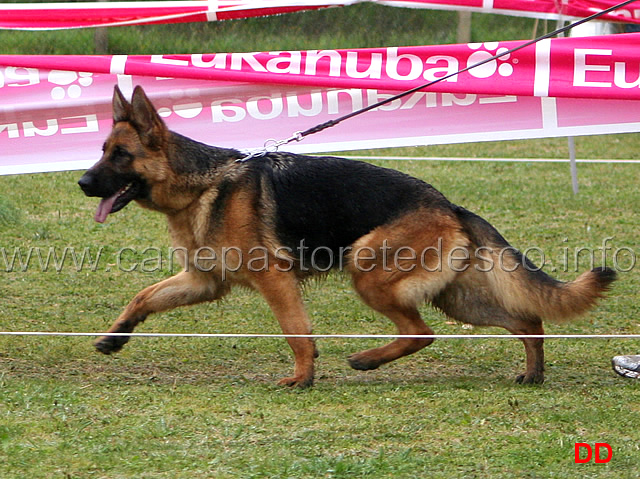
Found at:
<point>523,289</point>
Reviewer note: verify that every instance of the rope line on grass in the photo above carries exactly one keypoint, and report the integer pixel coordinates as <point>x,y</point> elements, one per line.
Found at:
<point>325,336</point>
<point>497,160</point>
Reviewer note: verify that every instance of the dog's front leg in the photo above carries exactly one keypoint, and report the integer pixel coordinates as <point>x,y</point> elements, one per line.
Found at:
<point>282,292</point>
<point>182,289</point>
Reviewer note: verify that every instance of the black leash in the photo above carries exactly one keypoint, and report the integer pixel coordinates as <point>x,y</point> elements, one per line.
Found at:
<point>300,135</point>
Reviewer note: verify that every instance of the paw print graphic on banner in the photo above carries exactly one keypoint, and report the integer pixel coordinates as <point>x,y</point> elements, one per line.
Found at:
<point>69,83</point>
<point>483,53</point>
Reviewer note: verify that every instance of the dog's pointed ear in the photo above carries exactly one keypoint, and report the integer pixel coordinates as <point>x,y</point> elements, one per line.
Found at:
<point>149,125</point>
<point>121,107</point>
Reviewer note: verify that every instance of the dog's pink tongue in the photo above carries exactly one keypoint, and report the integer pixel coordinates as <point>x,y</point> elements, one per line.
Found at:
<point>104,208</point>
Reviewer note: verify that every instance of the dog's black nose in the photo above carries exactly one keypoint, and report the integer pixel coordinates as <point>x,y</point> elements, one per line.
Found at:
<point>85,183</point>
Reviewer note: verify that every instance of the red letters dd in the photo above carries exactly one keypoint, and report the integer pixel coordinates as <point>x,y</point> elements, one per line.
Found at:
<point>598,448</point>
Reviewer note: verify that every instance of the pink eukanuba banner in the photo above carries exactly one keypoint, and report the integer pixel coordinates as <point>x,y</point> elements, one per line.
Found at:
<point>55,111</point>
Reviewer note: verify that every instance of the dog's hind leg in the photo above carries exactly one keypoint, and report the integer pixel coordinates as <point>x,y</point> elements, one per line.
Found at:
<point>396,268</point>
<point>183,289</point>
<point>408,322</point>
<point>395,296</point>
<point>534,372</point>
<point>468,301</point>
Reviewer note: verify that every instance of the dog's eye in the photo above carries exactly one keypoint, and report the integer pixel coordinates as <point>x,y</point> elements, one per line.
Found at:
<point>121,156</point>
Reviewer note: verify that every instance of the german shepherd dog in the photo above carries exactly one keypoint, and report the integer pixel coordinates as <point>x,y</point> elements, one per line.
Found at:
<point>269,222</point>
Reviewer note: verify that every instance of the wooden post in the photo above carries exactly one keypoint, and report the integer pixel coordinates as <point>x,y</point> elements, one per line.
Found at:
<point>464,27</point>
<point>101,39</point>
<point>573,165</point>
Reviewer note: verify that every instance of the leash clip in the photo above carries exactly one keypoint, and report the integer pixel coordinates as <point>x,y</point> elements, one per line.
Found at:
<point>270,146</point>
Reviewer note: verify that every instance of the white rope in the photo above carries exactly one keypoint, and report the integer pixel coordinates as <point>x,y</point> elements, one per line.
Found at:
<point>499,160</point>
<point>328,336</point>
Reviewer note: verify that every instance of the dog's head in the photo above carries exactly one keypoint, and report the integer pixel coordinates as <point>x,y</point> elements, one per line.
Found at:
<point>133,158</point>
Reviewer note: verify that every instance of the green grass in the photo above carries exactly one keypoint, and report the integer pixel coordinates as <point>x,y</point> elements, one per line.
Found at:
<point>9,213</point>
<point>598,147</point>
<point>209,408</point>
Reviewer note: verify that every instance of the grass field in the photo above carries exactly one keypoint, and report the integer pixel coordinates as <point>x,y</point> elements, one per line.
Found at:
<point>209,408</point>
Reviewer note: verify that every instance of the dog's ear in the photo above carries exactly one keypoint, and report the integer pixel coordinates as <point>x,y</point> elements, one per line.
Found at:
<point>148,123</point>
<point>121,107</point>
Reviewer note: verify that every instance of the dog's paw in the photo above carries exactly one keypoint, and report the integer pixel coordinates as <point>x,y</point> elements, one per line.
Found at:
<point>110,344</point>
<point>296,382</point>
<point>363,362</point>
<point>530,379</point>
